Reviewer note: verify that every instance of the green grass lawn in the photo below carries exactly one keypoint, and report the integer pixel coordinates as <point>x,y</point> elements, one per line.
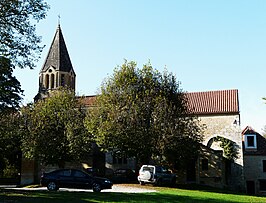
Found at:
<point>163,195</point>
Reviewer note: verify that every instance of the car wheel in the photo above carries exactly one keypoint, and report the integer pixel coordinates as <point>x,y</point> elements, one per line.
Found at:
<point>141,182</point>
<point>52,186</point>
<point>96,187</point>
<point>159,182</point>
<point>173,182</point>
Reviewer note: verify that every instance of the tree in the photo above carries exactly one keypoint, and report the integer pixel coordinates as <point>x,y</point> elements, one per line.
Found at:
<point>54,129</point>
<point>10,90</point>
<point>10,143</point>
<point>18,39</point>
<point>143,114</point>
<point>229,147</point>
<point>264,129</point>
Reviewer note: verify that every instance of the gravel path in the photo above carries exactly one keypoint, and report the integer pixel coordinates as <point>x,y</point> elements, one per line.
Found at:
<point>130,189</point>
<point>116,188</point>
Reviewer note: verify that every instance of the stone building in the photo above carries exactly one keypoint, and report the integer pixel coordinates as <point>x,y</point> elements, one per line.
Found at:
<point>254,147</point>
<point>217,110</point>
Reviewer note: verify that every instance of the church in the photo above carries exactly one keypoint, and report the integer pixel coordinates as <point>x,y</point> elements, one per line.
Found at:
<point>217,110</point>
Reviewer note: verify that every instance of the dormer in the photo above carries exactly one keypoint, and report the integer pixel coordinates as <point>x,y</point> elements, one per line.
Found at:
<point>250,139</point>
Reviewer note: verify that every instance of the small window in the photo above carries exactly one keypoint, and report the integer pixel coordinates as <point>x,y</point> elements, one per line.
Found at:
<point>263,185</point>
<point>250,142</point>
<point>52,81</point>
<point>118,158</point>
<point>204,164</point>
<point>47,81</point>
<point>264,165</point>
<point>62,79</point>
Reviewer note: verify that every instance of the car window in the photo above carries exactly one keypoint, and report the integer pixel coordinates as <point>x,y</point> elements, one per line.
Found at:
<point>147,169</point>
<point>158,170</point>
<point>65,173</point>
<point>79,174</point>
<point>120,171</point>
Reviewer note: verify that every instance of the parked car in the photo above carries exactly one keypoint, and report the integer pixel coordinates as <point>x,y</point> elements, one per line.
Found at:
<point>73,178</point>
<point>157,175</point>
<point>124,175</point>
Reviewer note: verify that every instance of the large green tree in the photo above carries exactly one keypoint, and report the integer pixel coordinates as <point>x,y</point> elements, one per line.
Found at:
<point>264,129</point>
<point>10,143</point>
<point>10,90</point>
<point>18,39</point>
<point>144,114</point>
<point>54,129</point>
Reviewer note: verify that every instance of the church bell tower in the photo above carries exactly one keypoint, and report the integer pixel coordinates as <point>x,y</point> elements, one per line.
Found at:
<point>57,70</point>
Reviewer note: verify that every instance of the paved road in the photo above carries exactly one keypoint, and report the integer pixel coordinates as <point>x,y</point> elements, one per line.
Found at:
<point>116,188</point>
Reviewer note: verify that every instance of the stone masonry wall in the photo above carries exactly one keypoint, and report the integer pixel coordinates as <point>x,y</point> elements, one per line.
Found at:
<point>254,170</point>
<point>223,126</point>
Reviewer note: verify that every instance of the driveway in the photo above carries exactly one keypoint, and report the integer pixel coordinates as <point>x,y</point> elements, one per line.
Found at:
<point>116,188</point>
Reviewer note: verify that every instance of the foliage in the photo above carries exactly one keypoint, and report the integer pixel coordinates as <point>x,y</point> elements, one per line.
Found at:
<point>18,40</point>
<point>229,147</point>
<point>143,113</point>
<point>264,131</point>
<point>10,141</point>
<point>10,90</point>
<point>54,129</point>
<point>10,171</point>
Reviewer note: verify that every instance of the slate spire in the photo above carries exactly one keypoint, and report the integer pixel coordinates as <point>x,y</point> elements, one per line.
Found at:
<point>57,69</point>
<point>58,56</point>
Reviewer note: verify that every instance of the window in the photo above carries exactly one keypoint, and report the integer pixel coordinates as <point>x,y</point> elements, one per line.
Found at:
<point>52,81</point>
<point>264,165</point>
<point>118,158</point>
<point>79,174</point>
<point>263,185</point>
<point>250,141</point>
<point>47,81</point>
<point>158,170</point>
<point>65,173</point>
<point>62,79</point>
<point>204,164</point>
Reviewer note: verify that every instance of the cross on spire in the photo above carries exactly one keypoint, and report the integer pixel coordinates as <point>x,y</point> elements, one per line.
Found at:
<point>58,19</point>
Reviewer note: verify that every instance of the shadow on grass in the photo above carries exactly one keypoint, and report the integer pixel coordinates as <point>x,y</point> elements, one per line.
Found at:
<point>7,196</point>
<point>206,188</point>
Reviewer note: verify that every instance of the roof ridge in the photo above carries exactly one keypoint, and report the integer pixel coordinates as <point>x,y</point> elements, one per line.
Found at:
<point>226,90</point>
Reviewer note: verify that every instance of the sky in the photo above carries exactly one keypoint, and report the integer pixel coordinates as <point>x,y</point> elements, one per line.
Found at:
<point>208,45</point>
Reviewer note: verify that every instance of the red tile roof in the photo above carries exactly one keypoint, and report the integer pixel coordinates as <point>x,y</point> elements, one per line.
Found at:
<point>88,100</point>
<point>211,102</point>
